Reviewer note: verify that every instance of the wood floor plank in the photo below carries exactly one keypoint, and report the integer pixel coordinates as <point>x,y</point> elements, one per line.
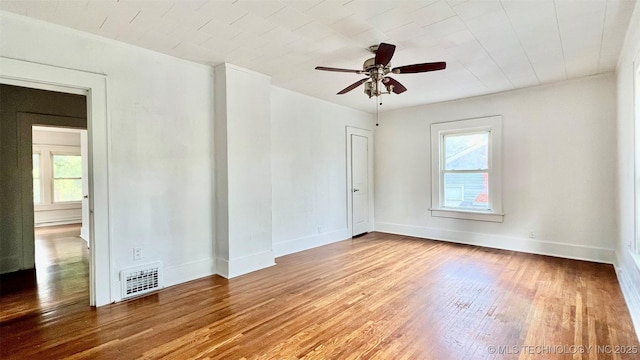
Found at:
<point>378,296</point>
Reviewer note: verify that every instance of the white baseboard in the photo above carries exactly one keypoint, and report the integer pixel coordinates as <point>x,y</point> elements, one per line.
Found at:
<point>244,265</point>
<point>309,242</point>
<point>569,251</point>
<point>186,272</point>
<point>58,222</point>
<point>631,297</point>
<point>628,272</point>
<point>174,275</point>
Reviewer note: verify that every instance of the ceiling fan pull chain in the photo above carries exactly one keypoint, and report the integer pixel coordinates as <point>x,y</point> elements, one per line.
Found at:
<point>377,109</point>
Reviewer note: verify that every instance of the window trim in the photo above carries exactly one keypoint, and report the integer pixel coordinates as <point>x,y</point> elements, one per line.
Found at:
<point>54,178</point>
<point>39,153</point>
<point>492,124</point>
<point>46,176</point>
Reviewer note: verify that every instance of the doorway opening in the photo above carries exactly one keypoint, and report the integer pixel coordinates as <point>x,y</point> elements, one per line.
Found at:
<point>42,185</point>
<point>61,214</point>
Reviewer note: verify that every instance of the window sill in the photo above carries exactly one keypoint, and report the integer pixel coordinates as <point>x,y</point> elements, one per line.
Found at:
<point>467,215</point>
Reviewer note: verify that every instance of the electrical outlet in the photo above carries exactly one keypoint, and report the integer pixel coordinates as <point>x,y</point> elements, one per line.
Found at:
<point>532,234</point>
<point>137,253</point>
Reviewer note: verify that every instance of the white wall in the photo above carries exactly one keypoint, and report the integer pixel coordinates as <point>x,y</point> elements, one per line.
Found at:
<point>628,268</point>
<point>558,173</point>
<point>308,138</point>
<point>243,166</point>
<point>160,144</point>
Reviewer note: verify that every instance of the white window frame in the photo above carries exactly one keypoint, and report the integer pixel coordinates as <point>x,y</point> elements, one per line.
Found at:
<point>39,177</point>
<point>76,152</point>
<point>491,124</point>
<point>46,176</point>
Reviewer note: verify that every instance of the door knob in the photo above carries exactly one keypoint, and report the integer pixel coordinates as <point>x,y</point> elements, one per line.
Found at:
<point>356,190</point>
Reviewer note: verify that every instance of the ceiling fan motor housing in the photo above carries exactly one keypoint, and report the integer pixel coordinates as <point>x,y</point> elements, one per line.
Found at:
<point>371,67</point>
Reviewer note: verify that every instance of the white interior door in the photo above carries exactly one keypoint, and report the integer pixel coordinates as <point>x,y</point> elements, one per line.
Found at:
<point>85,230</point>
<point>359,184</point>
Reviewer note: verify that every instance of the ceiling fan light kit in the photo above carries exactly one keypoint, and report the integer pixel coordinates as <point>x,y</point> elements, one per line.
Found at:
<point>377,68</point>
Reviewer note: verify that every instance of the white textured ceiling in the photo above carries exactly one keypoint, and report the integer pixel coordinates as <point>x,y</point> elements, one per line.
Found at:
<point>489,45</point>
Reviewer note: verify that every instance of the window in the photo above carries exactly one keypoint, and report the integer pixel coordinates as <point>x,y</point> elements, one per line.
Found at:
<point>67,178</point>
<point>57,177</point>
<point>37,186</point>
<point>466,169</point>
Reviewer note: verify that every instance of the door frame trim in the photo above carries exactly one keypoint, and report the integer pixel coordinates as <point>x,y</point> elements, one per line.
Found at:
<point>94,86</point>
<point>369,135</point>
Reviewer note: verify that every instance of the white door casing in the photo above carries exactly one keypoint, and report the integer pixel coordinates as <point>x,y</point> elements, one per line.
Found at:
<point>359,181</point>
<point>85,230</point>
<point>94,86</point>
<point>359,184</point>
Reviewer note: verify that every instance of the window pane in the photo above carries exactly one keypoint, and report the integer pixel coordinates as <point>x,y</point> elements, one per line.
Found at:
<point>67,166</point>
<point>36,191</point>
<point>36,166</point>
<point>466,191</point>
<point>36,178</point>
<point>466,152</point>
<point>67,190</point>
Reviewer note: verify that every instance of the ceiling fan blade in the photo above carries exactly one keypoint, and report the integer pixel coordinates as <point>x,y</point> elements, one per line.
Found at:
<point>384,53</point>
<point>418,68</point>
<point>338,70</point>
<point>397,87</point>
<point>353,86</point>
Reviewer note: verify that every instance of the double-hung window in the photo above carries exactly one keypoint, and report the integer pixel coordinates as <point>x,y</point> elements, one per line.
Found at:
<point>57,177</point>
<point>67,178</point>
<point>466,169</point>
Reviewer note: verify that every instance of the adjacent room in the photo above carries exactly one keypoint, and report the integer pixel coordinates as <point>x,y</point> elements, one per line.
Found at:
<point>297,179</point>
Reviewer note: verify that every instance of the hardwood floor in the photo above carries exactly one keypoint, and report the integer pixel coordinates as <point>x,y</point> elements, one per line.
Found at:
<point>377,296</point>
<point>61,277</point>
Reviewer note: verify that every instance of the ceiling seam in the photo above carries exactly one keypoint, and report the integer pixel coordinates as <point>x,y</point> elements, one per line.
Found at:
<point>604,20</point>
<point>485,49</point>
<point>132,19</point>
<point>564,59</point>
<point>103,21</point>
<point>474,74</point>
<point>520,42</point>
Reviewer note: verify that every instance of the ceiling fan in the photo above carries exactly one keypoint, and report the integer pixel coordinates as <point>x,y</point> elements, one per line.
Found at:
<point>377,69</point>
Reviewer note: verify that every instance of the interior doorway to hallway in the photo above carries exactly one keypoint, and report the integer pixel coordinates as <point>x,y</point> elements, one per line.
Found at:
<point>93,87</point>
<point>27,284</point>
<point>61,214</point>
